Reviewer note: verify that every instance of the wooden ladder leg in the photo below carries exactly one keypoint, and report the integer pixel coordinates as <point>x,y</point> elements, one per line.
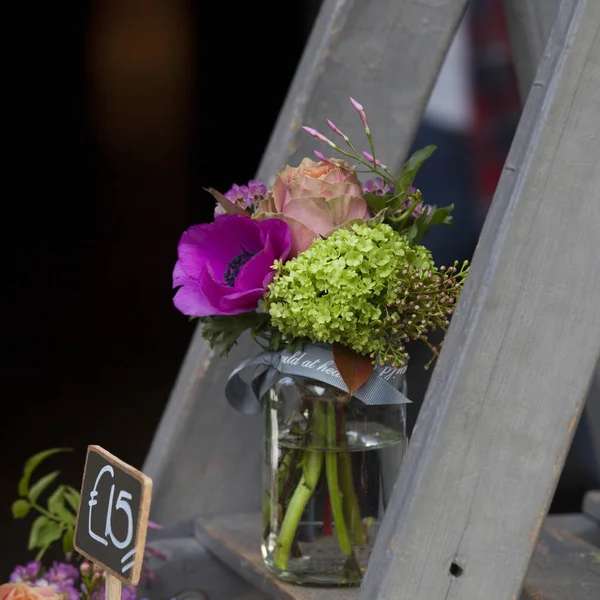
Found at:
<point>511,381</point>
<point>529,25</point>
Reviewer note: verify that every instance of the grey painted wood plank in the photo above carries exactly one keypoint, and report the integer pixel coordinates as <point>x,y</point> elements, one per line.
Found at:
<point>591,505</point>
<point>562,568</point>
<point>529,25</point>
<point>510,384</point>
<point>384,53</point>
<point>205,458</point>
<point>235,539</point>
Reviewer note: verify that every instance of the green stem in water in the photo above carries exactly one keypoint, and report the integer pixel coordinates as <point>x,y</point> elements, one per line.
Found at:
<point>335,494</point>
<point>311,471</point>
<point>349,497</point>
<point>282,474</point>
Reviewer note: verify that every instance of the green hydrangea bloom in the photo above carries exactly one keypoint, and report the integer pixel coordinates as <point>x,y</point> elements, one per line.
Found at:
<point>340,288</point>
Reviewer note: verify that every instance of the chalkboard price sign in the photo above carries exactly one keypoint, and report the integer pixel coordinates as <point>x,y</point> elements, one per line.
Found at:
<point>113,515</point>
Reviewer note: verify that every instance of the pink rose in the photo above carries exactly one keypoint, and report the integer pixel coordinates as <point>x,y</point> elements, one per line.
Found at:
<point>22,591</point>
<point>314,199</point>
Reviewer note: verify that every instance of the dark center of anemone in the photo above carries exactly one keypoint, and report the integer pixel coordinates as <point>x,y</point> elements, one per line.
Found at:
<point>233,268</point>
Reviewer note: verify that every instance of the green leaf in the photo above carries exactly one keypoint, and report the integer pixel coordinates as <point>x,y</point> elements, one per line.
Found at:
<point>438,216</point>
<point>396,202</point>
<point>377,203</point>
<point>31,465</point>
<point>441,215</point>
<point>56,505</point>
<point>412,166</point>
<point>72,497</point>
<point>67,541</point>
<point>355,369</point>
<point>43,533</point>
<point>412,232</point>
<point>20,509</point>
<point>378,218</point>
<point>39,486</point>
<point>224,330</point>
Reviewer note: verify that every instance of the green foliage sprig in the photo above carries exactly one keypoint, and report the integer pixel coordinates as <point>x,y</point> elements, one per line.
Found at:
<point>56,521</point>
<point>404,210</point>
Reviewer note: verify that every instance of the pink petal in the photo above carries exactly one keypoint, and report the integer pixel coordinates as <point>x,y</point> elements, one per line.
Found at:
<point>302,236</point>
<point>314,213</point>
<point>343,188</point>
<point>280,192</point>
<point>307,186</point>
<point>347,208</point>
<point>343,174</point>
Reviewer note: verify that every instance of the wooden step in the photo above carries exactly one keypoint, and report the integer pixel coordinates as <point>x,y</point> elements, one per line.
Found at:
<point>563,567</point>
<point>235,539</point>
<point>190,572</point>
<point>579,525</point>
<point>591,505</point>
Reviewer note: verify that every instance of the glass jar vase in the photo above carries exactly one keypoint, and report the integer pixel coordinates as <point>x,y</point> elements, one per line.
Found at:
<point>330,465</point>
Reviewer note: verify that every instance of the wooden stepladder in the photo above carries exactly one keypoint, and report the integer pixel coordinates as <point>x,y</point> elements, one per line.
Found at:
<point>511,382</point>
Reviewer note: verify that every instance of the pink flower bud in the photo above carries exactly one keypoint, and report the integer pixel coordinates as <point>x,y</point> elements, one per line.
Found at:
<point>324,158</point>
<point>337,130</point>
<point>318,135</point>
<point>357,105</point>
<point>85,568</point>
<point>361,111</point>
<point>370,158</point>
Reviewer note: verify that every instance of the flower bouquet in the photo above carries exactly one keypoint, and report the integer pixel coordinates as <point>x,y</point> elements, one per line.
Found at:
<point>328,275</point>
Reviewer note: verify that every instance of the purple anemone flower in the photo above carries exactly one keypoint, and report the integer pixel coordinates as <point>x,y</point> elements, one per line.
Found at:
<point>224,267</point>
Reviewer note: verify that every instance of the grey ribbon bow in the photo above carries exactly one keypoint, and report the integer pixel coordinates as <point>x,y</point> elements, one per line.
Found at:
<point>313,362</point>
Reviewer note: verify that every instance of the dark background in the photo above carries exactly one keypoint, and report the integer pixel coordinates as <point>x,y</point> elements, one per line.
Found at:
<point>122,111</point>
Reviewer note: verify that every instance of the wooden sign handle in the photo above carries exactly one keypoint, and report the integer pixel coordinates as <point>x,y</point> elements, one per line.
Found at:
<point>112,587</point>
